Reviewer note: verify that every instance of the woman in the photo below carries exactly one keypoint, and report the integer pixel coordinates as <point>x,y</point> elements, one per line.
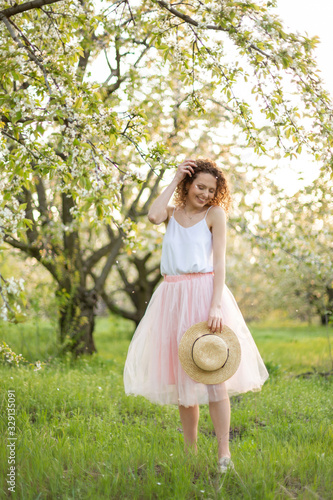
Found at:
<point>193,290</point>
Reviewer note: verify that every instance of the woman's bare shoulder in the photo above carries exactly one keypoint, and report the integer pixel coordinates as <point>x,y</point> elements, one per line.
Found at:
<point>216,212</point>
<point>216,215</point>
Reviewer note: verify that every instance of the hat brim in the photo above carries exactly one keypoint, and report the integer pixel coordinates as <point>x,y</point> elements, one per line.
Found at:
<point>209,377</point>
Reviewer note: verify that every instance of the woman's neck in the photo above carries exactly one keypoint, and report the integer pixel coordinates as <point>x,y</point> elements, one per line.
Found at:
<point>191,212</point>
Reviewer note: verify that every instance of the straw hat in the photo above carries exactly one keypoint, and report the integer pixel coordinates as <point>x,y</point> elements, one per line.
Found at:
<point>209,358</point>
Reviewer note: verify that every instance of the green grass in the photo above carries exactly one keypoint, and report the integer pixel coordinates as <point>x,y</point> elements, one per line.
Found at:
<point>295,349</point>
<point>79,436</point>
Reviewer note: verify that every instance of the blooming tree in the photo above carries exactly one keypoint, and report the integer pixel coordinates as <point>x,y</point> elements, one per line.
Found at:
<point>82,155</point>
<point>301,246</point>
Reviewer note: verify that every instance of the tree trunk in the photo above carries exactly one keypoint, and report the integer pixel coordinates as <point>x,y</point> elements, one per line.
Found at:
<point>77,323</point>
<point>326,317</point>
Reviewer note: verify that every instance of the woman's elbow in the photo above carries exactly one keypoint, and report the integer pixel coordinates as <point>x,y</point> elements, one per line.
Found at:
<point>157,218</point>
<point>154,219</point>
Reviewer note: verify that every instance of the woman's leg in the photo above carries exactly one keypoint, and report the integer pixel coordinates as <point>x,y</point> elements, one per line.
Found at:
<point>189,417</point>
<point>220,415</point>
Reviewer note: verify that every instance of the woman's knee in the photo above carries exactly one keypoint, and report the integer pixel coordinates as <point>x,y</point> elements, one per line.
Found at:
<point>189,413</point>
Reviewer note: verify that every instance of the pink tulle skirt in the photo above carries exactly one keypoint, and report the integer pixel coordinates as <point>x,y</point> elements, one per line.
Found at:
<point>152,367</point>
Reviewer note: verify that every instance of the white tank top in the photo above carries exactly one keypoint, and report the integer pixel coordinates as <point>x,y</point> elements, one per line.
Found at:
<point>187,249</point>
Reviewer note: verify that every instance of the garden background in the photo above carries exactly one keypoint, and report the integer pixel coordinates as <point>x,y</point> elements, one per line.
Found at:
<point>100,100</point>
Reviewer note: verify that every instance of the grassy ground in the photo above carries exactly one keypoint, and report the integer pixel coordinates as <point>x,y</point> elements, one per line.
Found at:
<point>79,436</point>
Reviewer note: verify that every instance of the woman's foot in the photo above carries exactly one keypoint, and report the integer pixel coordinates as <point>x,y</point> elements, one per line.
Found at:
<point>225,464</point>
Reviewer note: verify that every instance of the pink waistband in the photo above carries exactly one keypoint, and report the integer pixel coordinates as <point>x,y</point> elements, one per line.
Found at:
<point>180,277</point>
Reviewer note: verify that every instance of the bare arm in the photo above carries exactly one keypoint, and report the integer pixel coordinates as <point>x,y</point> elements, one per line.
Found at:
<point>158,211</point>
<point>219,231</point>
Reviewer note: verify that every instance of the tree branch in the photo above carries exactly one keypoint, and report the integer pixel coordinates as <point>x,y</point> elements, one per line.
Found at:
<point>32,234</point>
<point>110,231</point>
<point>128,285</point>
<point>187,18</point>
<point>71,240</point>
<point>153,192</point>
<point>24,7</point>
<point>20,141</point>
<point>100,281</point>
<point>214,27</point>
<point>31,55</point>
<point>33,252</point>
<point>42,200</point>
<point>116,72</point>
<point>132,212</point>
<point>116,309</point>
<point>96,256</point>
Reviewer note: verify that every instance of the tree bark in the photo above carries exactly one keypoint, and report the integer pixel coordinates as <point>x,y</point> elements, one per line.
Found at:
<point>326,317</point>
<point>138,291</point>
<point>77,323</point>
<point>24,7</point>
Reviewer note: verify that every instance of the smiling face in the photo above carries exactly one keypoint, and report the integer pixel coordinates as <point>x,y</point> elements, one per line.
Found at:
<point>206,175</point>
<point>202,190</point>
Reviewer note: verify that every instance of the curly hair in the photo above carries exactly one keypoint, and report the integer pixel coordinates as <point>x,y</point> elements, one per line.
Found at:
<point>222,196</point>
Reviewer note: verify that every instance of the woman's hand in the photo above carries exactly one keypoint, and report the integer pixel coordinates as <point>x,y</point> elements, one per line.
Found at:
<point>185,168</point>
<point>158,211</point>
<point>215,322</point>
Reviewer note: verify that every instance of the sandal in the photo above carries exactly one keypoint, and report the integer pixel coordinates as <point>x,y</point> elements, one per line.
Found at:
<point>225,464</point>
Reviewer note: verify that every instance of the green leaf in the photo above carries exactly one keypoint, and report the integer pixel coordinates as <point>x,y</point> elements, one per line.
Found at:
<point>28,222</point>
<point>78,102</point>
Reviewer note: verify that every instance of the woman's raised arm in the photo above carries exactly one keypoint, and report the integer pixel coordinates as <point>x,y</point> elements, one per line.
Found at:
<point>158,211</point>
